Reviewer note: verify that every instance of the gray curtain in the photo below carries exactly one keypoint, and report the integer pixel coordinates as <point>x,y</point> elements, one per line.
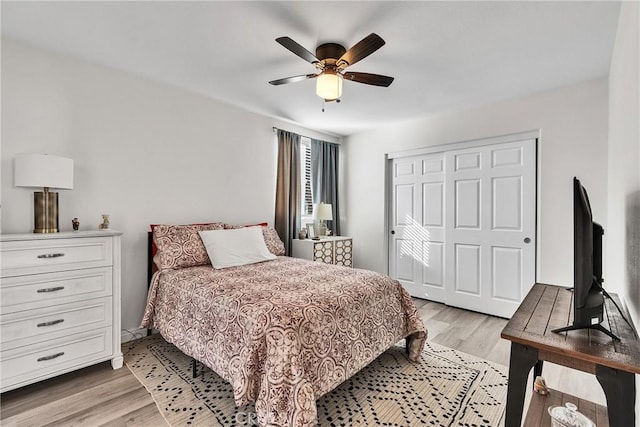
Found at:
<point>324,178</point>
<point>287,218</point>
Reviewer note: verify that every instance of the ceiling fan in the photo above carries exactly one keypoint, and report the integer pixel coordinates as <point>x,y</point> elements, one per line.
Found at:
<point>331,59</point>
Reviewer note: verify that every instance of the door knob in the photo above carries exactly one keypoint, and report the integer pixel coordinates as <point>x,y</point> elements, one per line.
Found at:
<point>527,240</point>
<point>393,231</point>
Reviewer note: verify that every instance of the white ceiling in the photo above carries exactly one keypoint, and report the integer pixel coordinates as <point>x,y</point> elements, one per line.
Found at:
<point>444,55</point>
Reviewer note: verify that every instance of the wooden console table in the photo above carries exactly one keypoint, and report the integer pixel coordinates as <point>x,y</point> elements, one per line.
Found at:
<point>614,364</point>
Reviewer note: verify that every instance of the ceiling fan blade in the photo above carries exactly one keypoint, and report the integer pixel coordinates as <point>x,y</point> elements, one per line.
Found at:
<point>361,50</point>
<point>297,49</point>
<point>369,79</point>
<point>293,79</point>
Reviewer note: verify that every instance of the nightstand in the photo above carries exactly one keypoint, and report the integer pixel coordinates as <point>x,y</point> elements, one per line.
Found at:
<point>59,304</point>
<point>336,250</point>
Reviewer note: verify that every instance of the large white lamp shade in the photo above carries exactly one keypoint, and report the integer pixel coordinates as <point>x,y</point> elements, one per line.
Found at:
<point>46,171</point>
<point>324,212</point>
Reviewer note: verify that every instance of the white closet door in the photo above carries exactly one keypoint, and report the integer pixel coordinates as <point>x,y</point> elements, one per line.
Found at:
<point>417,222</point>
<point>490,235</point>
<point>463,225</point>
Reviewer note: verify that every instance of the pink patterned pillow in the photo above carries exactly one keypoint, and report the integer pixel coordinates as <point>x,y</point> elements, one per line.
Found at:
<point>233,226</point>
<point>273,241</point>
<point>180,246</point>
<point>271,237</point>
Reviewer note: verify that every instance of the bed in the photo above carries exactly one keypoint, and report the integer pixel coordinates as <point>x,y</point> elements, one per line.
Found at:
<point>282,332</point>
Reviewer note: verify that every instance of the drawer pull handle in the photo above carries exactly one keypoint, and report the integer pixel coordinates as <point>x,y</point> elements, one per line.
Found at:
<point>51,323</point>
<point>53,356</point>
<point>56,288</point>
<point>55,255</point>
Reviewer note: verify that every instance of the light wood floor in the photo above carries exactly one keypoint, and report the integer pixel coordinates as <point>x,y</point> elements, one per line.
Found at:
<point>100,396</point>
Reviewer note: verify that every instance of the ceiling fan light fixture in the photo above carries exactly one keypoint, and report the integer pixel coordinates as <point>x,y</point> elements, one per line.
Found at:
<point>330,60</point>
<point>329,85</point>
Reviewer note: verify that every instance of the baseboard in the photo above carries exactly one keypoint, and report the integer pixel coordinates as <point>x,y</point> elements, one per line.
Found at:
<point>132,334</point>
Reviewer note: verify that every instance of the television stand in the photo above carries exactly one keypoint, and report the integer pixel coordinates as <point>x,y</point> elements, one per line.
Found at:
<point>614,363</point>
<point>597,327</point>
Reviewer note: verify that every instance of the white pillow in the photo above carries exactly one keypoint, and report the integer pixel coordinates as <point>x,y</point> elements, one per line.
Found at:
<point>240,246</point>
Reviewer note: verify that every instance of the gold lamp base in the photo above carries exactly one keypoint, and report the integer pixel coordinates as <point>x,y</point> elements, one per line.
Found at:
<point>45,210</point>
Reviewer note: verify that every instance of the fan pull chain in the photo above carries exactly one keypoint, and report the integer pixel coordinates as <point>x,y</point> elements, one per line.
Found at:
<point>323,105</point>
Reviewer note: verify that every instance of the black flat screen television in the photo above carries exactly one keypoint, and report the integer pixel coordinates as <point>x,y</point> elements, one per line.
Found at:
<point>588,293</point>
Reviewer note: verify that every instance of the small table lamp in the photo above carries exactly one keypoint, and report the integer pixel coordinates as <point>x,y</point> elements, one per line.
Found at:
<point>323,212</point>
<point>43,170</point>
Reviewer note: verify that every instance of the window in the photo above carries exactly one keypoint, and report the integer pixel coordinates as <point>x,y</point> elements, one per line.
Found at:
<point>306,200</point>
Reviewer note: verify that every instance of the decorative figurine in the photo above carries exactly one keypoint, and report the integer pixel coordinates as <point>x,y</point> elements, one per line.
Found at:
<point>540,386</point>
<point>75,224</point>
<point>303,234</point>
<point>105,222</point>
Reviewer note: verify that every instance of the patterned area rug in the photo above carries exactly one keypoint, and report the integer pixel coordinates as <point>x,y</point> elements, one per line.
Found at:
<point>446,388</point>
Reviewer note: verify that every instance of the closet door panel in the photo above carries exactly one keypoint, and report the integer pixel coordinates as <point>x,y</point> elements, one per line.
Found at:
<point>462,224</point>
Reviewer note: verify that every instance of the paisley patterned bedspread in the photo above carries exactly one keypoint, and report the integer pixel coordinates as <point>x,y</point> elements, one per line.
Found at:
<point>283,332</point>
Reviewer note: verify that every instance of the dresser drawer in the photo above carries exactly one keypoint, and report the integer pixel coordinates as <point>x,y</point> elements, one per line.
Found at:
<point>40,290</point>
<point>39,256</point>
<point>26,327</point>
<point>24,365</point>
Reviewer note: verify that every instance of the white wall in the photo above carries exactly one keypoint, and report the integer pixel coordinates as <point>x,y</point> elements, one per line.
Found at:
<point>144,153</point>
<point>573,122</point>
<point>623,233</point>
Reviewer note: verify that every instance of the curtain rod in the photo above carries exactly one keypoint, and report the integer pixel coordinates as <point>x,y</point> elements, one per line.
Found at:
<point>304,136</point>
<point>275,129</point>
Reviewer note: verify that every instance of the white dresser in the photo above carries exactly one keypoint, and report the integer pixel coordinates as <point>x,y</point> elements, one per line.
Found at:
<point>336,250</point>
<point>59,304</point>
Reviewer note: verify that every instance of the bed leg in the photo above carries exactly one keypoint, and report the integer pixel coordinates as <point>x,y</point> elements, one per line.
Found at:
<point>193,368</point>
